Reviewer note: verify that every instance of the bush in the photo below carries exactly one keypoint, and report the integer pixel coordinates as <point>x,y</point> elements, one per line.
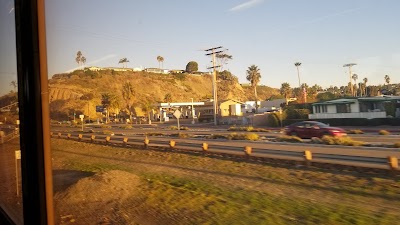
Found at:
<point>105,126</point>
<point>273,120</point>
<point>154,134</point>
<point>176,128</point>
<point>316,140</point>
<point>355,132</point>
<point>396,145</point>
<point>384,132</point>
<point>250,136</point>
<point>126,127</point>
<point>235,128</point>
<point>292,139</point>
<point>182,135</point>
<point>346,141</point>
<point>108,132</point>
<point>216,136</point>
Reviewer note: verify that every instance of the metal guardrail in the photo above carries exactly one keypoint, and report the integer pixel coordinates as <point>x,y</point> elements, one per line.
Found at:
<point>358,157</point>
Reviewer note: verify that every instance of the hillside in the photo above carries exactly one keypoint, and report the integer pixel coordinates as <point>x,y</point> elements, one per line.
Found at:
<point>81,91</point>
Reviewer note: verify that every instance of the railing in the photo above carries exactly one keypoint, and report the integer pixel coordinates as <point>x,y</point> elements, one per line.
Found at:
<point>367,115</point>
<point>379,158</point>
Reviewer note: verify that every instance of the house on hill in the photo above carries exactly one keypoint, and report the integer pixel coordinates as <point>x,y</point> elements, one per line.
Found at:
<point>363,107</point>
<point>156,70</point>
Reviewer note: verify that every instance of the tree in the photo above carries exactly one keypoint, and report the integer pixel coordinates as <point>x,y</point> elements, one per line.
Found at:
<point>168,97</point>
<point>160,59</point>
<point>254,76</point>
<point>226,75</point>
<point>128,94</point>
<point>355,77</point>
<point>78,58</point>
<point>222,59</point>
<point>387,81</point>
<point>298,64</point>
<point>365,86</point>
<point>110,101</point>
<point>286,91</point>
<point>124,61</point>
<point>147,107</point>
<point>83,61</point>
<point>192,66</point>
<point>14,84</point>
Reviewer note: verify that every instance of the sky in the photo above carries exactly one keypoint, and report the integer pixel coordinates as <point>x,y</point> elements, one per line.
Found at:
<point>271,34</point>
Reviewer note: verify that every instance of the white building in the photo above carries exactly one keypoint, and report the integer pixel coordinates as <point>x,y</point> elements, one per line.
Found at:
<point>364,107</point>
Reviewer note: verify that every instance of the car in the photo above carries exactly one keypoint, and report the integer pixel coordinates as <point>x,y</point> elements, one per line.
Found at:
<point>309,129</point>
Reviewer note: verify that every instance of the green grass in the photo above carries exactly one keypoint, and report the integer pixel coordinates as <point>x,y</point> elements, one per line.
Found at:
<point>204,200</point>
<point>216,205</point>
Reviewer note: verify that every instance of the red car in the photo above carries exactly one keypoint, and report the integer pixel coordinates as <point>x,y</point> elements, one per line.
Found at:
<point>309,129</point>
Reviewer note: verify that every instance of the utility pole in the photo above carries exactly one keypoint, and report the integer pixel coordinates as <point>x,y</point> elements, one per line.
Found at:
<point>213,52</point>
<point>350,74</point>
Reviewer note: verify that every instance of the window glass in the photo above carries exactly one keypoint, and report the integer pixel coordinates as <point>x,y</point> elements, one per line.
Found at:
<point>10,177</point>
<point>135,86</point>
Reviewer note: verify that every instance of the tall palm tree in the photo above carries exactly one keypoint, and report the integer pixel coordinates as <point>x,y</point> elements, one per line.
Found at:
<point>254,76</point>
<point>387,80</point>
<point>365,86</point>
<point>286,91</point>
<point>160,59</point>
<point>124,62</point>
<point>355,77</point>
<point>298,64</point>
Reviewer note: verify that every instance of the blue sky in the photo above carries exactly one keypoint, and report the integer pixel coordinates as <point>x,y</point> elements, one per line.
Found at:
<point>272,34</point>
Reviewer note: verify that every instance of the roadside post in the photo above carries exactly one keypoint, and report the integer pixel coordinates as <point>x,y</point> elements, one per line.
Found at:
<point>81,117</point>
<point>177,114</point>
<point>17,156</point>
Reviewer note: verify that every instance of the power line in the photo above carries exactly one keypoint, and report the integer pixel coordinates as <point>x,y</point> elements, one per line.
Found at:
<point>213,52</point>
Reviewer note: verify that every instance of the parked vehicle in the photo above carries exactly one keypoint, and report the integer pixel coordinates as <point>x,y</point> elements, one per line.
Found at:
<point>309,129</point>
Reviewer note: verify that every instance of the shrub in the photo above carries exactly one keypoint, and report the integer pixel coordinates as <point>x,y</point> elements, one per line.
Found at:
<point>176,128</point>
<point>292,139</point>
<point>316,140</point>
<point>154,134</point>
<point>355,132</point>
<point>105,126</point>
<point>182,135</point>
<point>109,132</point>
<point>126,127</point>
<point>384,132</point>
<point>216,136</point>
<point>346,141</point>
<point>249,136</point>
<point>260,130</point>
<point>396,145</point>
<point>273,120</point>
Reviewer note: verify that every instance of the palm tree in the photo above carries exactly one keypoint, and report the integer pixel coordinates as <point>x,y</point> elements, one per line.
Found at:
<point>160,59</point>
<point>286,91</point>
<point>128,95</point>
<point>365,86</point>
<point>254,76</point>
<point>387,81</point>
<point>14,84</point>
<point>298,64</point>
<point>124,61</point>
<point>355,77</point>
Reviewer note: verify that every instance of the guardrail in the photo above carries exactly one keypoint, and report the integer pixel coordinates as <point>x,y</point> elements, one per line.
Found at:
<point>377,158</point>
<point>5,138</point>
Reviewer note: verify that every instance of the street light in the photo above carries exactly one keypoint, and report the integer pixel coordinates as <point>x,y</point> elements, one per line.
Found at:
<point>351,83</point>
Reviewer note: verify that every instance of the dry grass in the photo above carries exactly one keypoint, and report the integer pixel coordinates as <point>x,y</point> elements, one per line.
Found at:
<point>384,132</point>
<point>355,132</point>
<point>249,137</point>
<point>346,141</point>
<point>292,139</point>
<point>248,128</point>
